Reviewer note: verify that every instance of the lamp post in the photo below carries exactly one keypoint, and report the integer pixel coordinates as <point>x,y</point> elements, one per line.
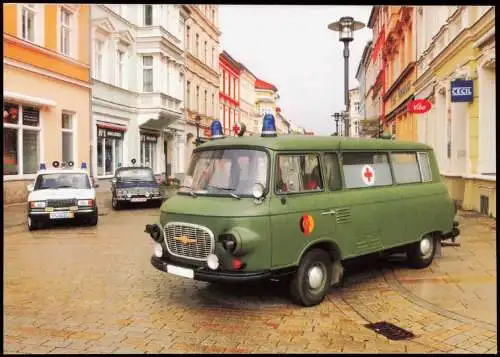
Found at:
<point>198,120</point>
<point>336,116</point>
<point>346,27</point>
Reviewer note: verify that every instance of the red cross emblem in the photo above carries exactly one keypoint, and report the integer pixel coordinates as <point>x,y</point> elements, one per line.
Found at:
<point>368,175</point>
<point>236,129</point>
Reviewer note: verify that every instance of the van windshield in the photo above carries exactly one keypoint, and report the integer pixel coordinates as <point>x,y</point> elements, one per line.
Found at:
<point>225,172</point>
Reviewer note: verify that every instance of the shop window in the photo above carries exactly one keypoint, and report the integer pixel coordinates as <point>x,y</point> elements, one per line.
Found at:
<point>68,137</point>
<point>28,22</point>
<point>405,167</point>
<point>147,73</point>
<point>21,139</point>
<point>366,169</point>
<point>109,151</point>
<point>298,173</point>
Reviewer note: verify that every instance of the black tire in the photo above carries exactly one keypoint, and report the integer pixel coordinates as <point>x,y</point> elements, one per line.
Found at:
<point>421,254</point>
<point>301,291</point>
<point>115,204</point>
<point>94,219</point>
<point>33,224</point>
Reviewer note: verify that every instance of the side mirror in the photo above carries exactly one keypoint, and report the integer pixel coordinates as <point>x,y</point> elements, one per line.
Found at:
<point>96,185</point>
<point>30,187</point>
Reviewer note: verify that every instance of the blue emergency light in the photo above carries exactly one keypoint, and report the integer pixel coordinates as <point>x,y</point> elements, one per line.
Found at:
<point>216,130</point>
<point>43,167</point>
<point>83,166</point>
<point>268,126</point>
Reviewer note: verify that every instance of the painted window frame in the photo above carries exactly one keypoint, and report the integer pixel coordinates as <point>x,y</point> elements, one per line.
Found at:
<point>98,59</point>
<point>120,67</point>
<point>147,68</point>
<point>428,161</point>
<point>73,132</point>
<point>20,127</point>
<point>29,9</point>
<point>298,153</point>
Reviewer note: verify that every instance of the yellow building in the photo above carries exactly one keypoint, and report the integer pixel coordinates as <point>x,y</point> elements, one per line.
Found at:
<point>46,90</point>
<point>458,43</point>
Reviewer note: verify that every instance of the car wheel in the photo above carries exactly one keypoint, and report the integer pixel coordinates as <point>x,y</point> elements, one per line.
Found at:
<point>33,224</point>
<point>421,254</point>
<point>311,282</point>
<point>94,219</point>
<point>115,203</point>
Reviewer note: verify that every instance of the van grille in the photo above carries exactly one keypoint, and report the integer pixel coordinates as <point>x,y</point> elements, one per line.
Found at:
<point>187,240</point>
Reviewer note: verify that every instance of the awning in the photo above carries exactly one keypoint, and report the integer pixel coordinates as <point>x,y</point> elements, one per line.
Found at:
<point>111,126</point>
<point>26,99</point>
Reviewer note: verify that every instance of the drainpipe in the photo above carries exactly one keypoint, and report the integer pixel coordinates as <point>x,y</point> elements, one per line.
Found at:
<point>91,121</point>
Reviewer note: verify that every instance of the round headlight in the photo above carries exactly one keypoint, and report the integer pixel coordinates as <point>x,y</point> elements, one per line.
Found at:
<point>129,194</point>
<point>147,194</point>
<point>158,250</point>
<point>257,190</point>
<point>213,261</point>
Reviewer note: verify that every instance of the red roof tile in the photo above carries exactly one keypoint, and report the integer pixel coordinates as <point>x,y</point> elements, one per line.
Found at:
<point>260,84</point>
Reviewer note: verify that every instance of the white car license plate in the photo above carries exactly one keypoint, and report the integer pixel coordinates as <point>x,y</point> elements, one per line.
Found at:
<point>59,215</point>
<point>138,199</point>
<point>186,273</point>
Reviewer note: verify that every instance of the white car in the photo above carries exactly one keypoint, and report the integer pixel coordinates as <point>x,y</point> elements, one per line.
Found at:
<point>61,194</point>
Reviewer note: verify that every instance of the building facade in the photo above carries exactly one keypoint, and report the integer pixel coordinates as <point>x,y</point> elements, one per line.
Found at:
<point>137,81</point>
<point>201,38</point>
<point>46,90</point>
<point>458,43</point>
<point>249,117</point>
<point>399,54</point>
<point>282,124</point>
<point>229,95</point>
<point>376,71</point>
<point>266,98</point>
<point>355,112</point>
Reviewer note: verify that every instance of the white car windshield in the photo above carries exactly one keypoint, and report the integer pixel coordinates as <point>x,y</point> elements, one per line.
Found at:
<point>62,180</point>
<point>226,171</point>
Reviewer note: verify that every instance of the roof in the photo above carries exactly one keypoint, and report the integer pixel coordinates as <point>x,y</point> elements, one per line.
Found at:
<point>230,60</point>
<point>371,19</point>
<point>303,143</point>
<point>260,84</point>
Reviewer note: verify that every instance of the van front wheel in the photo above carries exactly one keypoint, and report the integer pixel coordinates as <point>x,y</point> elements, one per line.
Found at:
<point>312,280</point>
<point>421,254</point>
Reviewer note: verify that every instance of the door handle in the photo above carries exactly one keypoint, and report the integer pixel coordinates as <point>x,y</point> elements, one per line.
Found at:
<point>328,213</point>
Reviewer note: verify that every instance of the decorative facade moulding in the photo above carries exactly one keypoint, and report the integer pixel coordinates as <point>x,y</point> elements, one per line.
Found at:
<point>398,81</point>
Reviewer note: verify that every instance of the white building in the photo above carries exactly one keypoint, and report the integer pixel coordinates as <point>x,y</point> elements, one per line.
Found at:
<point>137,88</point>
<point>355,114</point>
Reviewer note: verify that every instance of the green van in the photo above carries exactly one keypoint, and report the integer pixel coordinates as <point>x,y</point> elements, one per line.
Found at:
<point>297,207</point>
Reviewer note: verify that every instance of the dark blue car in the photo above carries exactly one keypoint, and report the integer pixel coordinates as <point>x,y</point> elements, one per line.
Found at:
<point>136,184</point>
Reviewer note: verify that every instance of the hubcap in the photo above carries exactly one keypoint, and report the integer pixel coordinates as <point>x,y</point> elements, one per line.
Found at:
<point>426,246</point>
<point>315,277</point>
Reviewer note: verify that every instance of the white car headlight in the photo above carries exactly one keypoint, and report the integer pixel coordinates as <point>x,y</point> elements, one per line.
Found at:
<point>38,204</point>
<point>86,203</point>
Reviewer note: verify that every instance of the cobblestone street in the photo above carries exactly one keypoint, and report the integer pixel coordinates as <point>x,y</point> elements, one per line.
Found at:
<point>93,290</point>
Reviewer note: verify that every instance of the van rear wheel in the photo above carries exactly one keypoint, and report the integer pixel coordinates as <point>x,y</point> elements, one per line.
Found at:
<point>421,254</point>
<point>311,282</point>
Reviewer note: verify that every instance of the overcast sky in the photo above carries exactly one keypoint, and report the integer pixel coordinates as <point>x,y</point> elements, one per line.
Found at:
<point>291,47</point>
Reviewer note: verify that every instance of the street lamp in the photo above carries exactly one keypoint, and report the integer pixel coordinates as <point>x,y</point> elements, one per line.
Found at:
<point>346,27</point>
<point>197,120</point>
<point>336,116</point>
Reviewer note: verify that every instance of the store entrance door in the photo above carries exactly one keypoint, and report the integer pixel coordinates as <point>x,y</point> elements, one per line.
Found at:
<point>167,159</point>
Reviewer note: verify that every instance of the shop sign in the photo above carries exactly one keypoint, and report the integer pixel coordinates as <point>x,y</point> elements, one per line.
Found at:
<point>149,138</point>
<point>462,91</point>
<point>108,133</point>
<point>419,106</point>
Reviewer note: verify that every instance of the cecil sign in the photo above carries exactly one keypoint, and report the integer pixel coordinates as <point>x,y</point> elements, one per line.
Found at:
<point>461,91</point>
<point>419,106</point>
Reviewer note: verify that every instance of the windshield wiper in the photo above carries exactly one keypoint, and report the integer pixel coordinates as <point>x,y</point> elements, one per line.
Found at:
<point>64,186</point>
<point>226,189</point>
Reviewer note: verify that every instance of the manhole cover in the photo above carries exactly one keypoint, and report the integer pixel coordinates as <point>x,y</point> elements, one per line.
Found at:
<point>391,331</point>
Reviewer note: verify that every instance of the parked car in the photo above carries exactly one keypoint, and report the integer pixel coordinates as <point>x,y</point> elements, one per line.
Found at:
<point>296,208</point>
<point>61,193</point>
<point>133,185</point>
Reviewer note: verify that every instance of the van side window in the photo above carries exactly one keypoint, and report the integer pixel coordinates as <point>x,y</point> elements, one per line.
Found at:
<point>425,166</point>
<point>298,173</point>
<point>362,169</point>
<point>405,167</point>
<point>332,172</point>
